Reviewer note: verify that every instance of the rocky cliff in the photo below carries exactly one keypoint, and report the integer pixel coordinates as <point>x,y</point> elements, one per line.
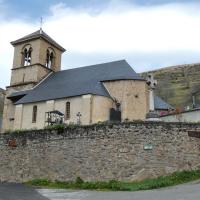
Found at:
<point>176,84</point>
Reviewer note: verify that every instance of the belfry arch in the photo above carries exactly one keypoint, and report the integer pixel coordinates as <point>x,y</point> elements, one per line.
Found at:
<point>50,58</point>
<point>26,55</point>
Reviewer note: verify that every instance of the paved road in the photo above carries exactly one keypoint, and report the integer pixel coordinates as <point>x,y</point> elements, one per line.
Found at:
<point>183,192</point>
<point>9,191</point>
<point>20,192</point>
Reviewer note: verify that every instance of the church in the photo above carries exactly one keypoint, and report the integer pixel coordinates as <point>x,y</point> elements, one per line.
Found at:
<point>42,94</point>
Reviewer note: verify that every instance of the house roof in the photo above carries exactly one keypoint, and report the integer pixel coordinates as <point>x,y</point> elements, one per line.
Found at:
<point>35,35</point>
<point>17,94</point>
<point>160,104</point>
<point>80,81</point>
<point>184,111</point>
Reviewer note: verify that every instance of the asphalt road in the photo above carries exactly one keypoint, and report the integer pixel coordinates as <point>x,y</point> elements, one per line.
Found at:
<point>11,191</point>
<point>19,192</point>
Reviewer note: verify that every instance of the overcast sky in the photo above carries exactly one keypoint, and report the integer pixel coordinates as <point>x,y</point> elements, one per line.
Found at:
<point>148,34</point>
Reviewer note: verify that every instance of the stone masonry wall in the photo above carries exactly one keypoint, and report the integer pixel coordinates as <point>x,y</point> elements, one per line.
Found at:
<point>100,152</point>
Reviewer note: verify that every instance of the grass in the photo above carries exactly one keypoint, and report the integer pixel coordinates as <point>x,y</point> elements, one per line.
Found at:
<point>113,185</point>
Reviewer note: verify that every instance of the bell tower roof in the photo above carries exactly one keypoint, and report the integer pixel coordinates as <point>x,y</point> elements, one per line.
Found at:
<point>36,35</point>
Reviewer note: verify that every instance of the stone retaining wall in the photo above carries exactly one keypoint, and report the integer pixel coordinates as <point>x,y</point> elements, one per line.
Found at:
<point>127,151</point>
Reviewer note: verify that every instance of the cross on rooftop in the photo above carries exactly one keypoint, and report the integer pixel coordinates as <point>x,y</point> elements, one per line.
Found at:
<point>41,24</point>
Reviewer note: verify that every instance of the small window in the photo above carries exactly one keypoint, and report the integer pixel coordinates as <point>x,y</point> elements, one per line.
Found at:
<point>26,54</point>
<point>67,111</point>
<point>34,114</point>
<point>49,58</point>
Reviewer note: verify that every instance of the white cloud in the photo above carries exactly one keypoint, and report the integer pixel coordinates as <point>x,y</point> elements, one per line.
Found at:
<point>119,29</point>
<point>144,29</point>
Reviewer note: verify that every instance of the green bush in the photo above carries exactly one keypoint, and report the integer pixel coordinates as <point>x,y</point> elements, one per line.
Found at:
<point>113,185</point>
<point>79,181</point>
<point>55,127</point>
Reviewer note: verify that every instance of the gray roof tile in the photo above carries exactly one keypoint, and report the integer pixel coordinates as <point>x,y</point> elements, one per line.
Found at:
<point>80,81</point>
<point>160,104</point>
<point>38,34</point>
<point>19,93</point>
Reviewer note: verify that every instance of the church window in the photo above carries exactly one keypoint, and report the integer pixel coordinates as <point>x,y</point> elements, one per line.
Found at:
<point>49,58</point>
<point>67,111</point>
<point>27,55</point>
<point>34,114</point>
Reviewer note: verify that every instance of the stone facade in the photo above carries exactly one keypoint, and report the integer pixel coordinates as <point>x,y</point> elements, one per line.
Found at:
<point>127,151</point>
<point>2,96</point>
<point>39,47</point>
<point>35,72</point>
<point>26,77</point>
<point>133,98</point>
<point>9,107</point>
<point>87,105</point>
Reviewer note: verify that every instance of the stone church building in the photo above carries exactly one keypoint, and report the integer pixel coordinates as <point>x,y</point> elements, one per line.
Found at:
<point>41,94</point>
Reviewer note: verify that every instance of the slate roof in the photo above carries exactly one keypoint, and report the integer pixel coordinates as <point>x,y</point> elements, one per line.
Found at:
<point>38,34</point>
<point>160,104</point>
<point>80,81</point>
<point>17,94</point>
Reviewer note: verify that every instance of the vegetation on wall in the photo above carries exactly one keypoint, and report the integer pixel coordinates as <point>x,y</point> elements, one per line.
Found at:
<point>164,181</point>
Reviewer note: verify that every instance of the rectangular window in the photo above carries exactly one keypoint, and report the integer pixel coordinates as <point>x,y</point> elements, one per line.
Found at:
<point>34,114</point>
<point>67,111</point>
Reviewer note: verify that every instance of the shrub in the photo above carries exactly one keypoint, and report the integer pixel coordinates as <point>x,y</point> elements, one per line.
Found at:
<point>79,180</point>
<point>113,185</point>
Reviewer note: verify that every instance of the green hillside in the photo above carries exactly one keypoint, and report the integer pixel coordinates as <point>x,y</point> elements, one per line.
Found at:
<point>176,84</point>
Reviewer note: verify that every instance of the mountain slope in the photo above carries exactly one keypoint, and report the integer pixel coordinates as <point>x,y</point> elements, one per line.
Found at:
<point>177,83</point>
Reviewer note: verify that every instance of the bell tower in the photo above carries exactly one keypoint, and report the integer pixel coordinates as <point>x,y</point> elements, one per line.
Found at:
<point>35,57</point>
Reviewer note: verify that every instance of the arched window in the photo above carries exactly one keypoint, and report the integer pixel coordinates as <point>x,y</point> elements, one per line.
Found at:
<point>49,58</point>
<point>67,111</point>
<point>34,114</point>
<point>26,55</point>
